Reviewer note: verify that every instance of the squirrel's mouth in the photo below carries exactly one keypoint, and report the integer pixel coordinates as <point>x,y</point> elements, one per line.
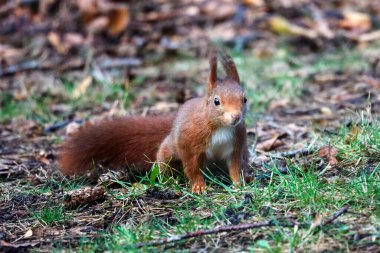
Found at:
<point>233,123</point>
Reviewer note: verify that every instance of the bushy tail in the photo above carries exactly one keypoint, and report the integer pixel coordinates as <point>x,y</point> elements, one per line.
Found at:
<point>117,143</point>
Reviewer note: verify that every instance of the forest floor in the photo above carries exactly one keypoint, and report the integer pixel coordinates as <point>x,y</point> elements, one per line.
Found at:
<point>313,129</point>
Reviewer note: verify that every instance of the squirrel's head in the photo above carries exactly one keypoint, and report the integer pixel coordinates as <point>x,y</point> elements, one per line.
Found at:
<point>226,99</point>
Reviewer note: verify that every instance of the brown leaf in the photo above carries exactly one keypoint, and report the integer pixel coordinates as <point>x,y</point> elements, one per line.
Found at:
<point>353,134</point>
<point>317,221</point>
<point>28,233</point>
<point>225,9</point>
<point>88,9</point>
<point>118,20</point>
<point>72,128</point>
<point>81,88</point>
<point>278,103</point>
<point>355,21</point>
<point>254,3</point>
<point>270,144</point>
<point>10,54</point>
<point>97,25</point>
<point>326,111</point>
<point>84,196</point>
<point>329,153</point>
<point>56,42</point>
<point>18,245</point>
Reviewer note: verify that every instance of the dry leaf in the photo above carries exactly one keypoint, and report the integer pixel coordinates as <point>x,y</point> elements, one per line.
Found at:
<point>9,54</point>
<point>278,103</point>
<point>355,21</point>
<point>353,134</point>
<point>97,25</point>
<point>82,87</point>
<point>164,107</point>
<point>88,9</point>
<point>270,144</point>
<point>317,221</point>
<point>118,20</point>
<point>329,153</point>
<point>326,111</point>
<point>56,42</point>
<point>224,9</point>
<point>28,233</point>
<point>254,3</point>
<point>72,128</point>
<point>282,26</point>
<point>84,196</point>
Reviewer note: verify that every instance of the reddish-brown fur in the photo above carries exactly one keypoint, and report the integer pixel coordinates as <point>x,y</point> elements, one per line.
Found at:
<point>115,143</point>
<point>198,119</point>
<point>202,132</point>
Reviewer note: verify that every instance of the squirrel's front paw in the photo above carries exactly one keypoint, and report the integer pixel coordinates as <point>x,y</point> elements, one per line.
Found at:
<point>199,187</point>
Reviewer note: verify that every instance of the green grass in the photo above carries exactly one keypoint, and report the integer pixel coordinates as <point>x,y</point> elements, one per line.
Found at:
<point>38,106</point>
<point>280,75</point>
<point>283,74</point>
<point>50,214</point>
<point>303,192</point>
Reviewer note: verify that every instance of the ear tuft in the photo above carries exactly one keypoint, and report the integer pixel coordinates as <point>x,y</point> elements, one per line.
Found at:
<point>212,79</point>
<point>229,66</point>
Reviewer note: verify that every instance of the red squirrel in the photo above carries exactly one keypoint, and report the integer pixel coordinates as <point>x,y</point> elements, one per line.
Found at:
<point>204,130</point>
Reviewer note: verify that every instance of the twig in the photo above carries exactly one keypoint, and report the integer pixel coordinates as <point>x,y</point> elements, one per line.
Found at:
<point>25,66</point>
<point>37,65</point>
<point>336,215</point>
<point>371,36</point>
<point>199,233</point>
<point>293,153</point>
<point>239,227</point>
<point>120,62</point>
<point>60,125</point>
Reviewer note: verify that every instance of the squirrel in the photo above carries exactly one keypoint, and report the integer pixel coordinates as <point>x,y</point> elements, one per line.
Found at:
<point>204,130</point>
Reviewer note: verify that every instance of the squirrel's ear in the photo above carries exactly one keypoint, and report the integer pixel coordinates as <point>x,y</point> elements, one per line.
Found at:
<point>229,66</point>
<point>213,70</point>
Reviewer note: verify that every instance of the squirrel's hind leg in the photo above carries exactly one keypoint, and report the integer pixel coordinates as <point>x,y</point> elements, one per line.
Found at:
<point>164,155</point>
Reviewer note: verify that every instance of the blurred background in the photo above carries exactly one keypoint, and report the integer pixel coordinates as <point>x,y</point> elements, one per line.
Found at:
<point>59,58</point>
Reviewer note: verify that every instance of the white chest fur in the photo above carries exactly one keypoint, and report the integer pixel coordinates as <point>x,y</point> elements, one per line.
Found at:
<point>221,144</point>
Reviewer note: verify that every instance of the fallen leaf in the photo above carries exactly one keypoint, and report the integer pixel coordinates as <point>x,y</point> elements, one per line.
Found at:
<point>355,21</point>
<point>353,134</point>
<point>10,54</point>
<point>317,221</point>
<point>163,107</point>
<point>84,196</point>
<point>97,25</point>
<point>282,26</point>
<point>278,103</point>
<point>18,245</point>
<point>118,20</point>
<point>82,87</point>
<point>88,9</point>
<point>72,128</point>
<point>329,153</point>
<point>56,42</point>
<point>254,3</point>
<point>270,144</point>
<point>28,233</point>
<point>326,111</point>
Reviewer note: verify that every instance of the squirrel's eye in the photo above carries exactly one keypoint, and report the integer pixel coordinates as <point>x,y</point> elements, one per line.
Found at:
<point>216,101</point>
<point>245,100</point>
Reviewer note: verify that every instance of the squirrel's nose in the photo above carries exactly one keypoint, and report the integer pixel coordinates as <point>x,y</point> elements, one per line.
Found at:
<point>236,118</point>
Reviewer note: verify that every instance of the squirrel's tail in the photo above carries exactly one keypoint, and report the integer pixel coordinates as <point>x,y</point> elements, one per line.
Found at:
<point>115,143</point>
